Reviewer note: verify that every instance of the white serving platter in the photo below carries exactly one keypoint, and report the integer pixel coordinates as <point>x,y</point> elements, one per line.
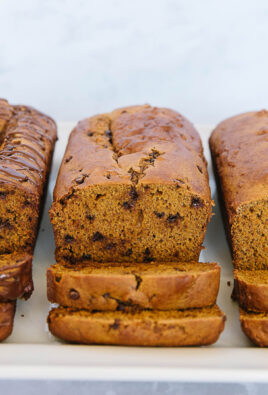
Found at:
<point>32,353</point>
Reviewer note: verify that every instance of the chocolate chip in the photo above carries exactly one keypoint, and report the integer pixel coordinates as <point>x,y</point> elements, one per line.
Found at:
<point>58,278</point>
<point>68,238</point>
<point>159,215</point>
<point>147,255</point>
<point>129,252</point>
<point>98,196</point>
<point>128,205</point>
<point>25,179</point>
<point>80,180</point>
<point>74,294</point>
<point>200,169</point>
<point>97,236</point>
<point>3,194</point>
<point>90,134</point>
<point>147,251</point>
<point>110,246</point>
<point>133,193</point>
<point>90,217</point>
<point>197,203</point>
<point>173,218</point>
<point>116,324</point>
<point>68,159</point>
<point>86,257</point>
<point>26,202</point>
<point>5,224</point>
<point>108,134</point>
<point>138,281</point>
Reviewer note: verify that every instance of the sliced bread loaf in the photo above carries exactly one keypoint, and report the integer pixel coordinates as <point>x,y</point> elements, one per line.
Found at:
<point>255,326</point>
<point>141,328</point>
<point>251,289</point>
<point>113,286</point>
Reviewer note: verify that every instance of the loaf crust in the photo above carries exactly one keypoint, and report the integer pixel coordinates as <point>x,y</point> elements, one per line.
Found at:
<point>239,148</point>
<point>255,326</point>
<point>251,289</point>
<point>133,185</point>
<point>7,312</point>
<point>161,286</point>
<point>145,328</point>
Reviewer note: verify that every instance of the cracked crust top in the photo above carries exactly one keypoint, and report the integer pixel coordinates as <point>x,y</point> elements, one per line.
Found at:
<point>139,144</point>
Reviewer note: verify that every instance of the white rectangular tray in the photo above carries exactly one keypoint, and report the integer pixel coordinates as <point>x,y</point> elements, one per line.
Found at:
<point>31,352</point>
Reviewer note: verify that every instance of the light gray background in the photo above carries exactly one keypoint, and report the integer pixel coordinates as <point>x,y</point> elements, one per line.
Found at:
<point>207,59</point>
<point>73,58</point>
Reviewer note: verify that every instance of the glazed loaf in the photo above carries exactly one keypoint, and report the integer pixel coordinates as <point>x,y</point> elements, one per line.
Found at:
<point>27,140</point>
<point>143,328</point>
<point>239,148</point>
<point>161,286</point>
<point>132,187</point>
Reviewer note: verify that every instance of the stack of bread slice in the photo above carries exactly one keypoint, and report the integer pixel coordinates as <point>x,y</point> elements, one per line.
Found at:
<point>26,146</point>
<point>239,147</point>
<point>130,211</point>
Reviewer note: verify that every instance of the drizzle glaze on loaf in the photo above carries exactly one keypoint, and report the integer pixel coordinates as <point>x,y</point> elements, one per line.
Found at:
<point>26,139</point>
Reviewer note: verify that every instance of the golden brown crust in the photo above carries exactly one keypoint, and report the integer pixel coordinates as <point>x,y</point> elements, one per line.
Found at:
<point>251,289</point>
<point>161,286</point>
<point>132,133</point>
<point>255,326</point>
<point>133,185</point>
<point>145,328</point>
<point>239,148</point>
<point>7,312</point>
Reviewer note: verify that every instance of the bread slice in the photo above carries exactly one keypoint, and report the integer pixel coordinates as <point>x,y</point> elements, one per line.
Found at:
<point>255,326</point>
<point>251,289</point>
<point>144,328</point>
<point>7,313</point>
<point>15,276</point>
<point>113,286</point>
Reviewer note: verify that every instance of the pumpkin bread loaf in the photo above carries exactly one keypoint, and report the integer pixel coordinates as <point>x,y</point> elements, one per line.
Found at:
<point>27,142</point>
<point>239,148</point>
<point>7,313</point>
<point>140,328</point>
<point>157,285</point>
<point>27,139</point>
<point>132,187</point>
